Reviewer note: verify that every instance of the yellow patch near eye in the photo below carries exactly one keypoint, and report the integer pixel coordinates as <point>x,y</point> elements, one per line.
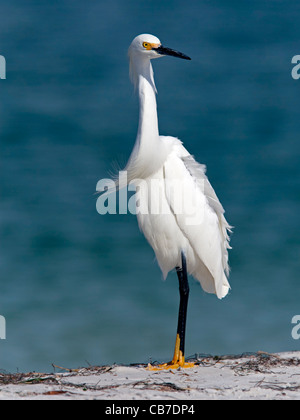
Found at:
<point>147,45</point>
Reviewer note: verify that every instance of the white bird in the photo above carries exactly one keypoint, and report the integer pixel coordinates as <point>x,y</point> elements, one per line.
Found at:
<point>178,210</point>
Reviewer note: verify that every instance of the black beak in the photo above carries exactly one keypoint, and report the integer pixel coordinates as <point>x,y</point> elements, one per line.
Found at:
<point>168,51</point>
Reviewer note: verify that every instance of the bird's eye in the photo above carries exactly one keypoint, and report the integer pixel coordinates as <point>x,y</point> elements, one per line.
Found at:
<point>147,45</point>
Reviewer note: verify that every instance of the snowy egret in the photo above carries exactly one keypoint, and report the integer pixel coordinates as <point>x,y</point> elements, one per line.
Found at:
<point>198,246</point>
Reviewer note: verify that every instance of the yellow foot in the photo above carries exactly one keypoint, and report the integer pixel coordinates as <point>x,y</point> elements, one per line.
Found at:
<point>170,365</point>
<point>177,362</point>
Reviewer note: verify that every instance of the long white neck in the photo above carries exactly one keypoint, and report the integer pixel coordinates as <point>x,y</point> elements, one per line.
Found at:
<point>148,153</point>
<point>148,122</point>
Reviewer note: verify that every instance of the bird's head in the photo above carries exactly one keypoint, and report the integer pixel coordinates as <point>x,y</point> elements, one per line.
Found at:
<point>149,46</point>
<point>144,48</point>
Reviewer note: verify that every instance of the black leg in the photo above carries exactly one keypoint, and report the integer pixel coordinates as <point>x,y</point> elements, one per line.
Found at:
<point>184,297</point>
<point>178,358</point>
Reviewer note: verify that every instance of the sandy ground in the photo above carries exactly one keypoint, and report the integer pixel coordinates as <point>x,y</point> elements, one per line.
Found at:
<point>255,376</point>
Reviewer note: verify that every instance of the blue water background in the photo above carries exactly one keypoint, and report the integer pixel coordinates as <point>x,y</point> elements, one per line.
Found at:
<point>77,288</point>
